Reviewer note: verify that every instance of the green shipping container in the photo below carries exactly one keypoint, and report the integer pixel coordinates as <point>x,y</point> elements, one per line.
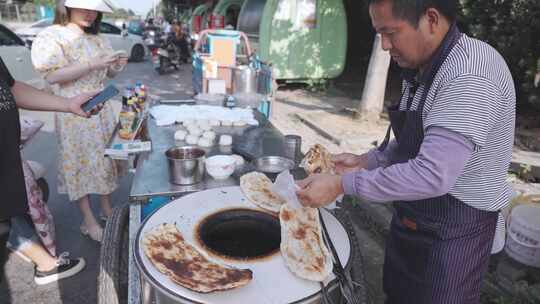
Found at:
<point>229,10</point>
<point>302,39</point>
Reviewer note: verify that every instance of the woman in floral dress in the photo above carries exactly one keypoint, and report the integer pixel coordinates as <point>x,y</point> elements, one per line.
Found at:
<point>74,58</point>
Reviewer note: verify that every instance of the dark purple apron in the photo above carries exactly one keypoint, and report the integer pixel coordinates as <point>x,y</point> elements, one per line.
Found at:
<point>438,249</point>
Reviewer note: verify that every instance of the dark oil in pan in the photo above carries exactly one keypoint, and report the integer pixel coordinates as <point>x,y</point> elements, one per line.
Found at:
<point>240,233</point>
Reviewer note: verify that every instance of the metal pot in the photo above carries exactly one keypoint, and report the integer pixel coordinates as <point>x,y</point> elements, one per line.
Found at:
<point>271,166</point>
<point>186,165</point>
<point>244,79</point>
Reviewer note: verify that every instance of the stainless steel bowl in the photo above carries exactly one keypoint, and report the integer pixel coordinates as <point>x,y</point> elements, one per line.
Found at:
<point>186,165</point>
<point>273,165</point>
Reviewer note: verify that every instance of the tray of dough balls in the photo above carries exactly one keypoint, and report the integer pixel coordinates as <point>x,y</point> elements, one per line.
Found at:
<point>204,126</point>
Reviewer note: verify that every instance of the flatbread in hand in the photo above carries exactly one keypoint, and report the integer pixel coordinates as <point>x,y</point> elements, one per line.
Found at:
<point>318,161</point>
<point>173,256</point>
<point>302,245</point>
<point>257,187</point>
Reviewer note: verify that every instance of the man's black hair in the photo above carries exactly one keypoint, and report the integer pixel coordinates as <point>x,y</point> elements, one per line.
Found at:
<point>412,10</point>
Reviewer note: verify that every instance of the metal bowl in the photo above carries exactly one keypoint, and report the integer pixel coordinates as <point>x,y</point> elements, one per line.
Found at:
<point>186,165</point>
<point>273,165</point>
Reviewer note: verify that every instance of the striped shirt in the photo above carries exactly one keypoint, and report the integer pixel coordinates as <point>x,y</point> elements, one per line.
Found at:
<point>473,95</point>
<point>469,115</point>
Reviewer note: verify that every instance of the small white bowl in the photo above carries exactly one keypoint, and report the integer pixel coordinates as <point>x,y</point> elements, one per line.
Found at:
<point>220,166</point>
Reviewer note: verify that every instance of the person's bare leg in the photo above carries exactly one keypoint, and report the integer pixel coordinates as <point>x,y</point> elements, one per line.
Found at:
<point>88,216</point>
<point>91,226</point>
<point>106,208</point>
<point>43,260</point>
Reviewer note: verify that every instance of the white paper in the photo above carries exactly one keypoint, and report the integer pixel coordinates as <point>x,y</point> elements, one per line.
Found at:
<point>285,187</point>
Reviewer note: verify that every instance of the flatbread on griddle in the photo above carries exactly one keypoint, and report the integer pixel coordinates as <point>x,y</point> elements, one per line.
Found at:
<point>302,245</point>
<point>257,187</point>
<point>318,160</point>
<point>173,256</point>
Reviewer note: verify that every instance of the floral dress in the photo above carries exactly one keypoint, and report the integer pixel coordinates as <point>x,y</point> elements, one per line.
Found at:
<point>82,167</point>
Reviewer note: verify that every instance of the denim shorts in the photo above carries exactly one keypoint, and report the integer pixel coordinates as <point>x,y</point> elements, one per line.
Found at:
<point>22,233</point>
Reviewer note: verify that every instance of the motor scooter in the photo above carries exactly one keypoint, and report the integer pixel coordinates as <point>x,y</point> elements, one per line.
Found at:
<point>167,55</point>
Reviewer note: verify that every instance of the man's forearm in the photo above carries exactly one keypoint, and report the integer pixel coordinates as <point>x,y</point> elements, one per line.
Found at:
<point>30,98</point>
<point>383,158</point>
<point>432,173</point>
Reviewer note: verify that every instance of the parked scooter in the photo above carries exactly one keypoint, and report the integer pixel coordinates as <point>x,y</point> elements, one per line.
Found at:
<point>29,128</point>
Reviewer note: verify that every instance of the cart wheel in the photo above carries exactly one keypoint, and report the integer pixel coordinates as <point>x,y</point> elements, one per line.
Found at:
<point>114,258</point>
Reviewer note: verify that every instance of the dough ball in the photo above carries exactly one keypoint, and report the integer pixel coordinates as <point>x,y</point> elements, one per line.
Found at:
<point>192,139</point>
<point>195,131</point>
<point>210,135</point>
<point>225,140</point>
<point>205,142</point>
<point>180,135</point>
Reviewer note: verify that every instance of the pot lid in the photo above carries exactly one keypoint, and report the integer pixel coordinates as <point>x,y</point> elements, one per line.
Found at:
<point>270,274</point>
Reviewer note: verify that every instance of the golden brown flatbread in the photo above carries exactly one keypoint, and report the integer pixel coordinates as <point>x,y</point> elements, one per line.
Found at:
<point>318,160</point>
<point>166,248</point>
<point>302,245</point>
<point>257,187</point>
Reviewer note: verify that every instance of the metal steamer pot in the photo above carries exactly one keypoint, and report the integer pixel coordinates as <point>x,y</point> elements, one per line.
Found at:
<point>196,214</point>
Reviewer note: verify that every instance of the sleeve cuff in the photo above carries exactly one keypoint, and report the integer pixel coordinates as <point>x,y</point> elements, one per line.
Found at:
<point>373,163</point>
<point>347,182</point>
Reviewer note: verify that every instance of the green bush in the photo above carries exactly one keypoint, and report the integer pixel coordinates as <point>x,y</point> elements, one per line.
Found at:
<point>513,28</point>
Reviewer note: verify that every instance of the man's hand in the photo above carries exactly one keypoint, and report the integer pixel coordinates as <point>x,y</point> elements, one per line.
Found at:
<point>75,103</point>
<point>347,162</point>
<point>319,190</point>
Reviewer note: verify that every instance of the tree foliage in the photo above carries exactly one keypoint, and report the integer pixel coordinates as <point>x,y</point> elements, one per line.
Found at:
<point>512,27</point>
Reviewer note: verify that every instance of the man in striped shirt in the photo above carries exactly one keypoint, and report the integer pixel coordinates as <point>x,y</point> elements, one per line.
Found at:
<point>446,169</point>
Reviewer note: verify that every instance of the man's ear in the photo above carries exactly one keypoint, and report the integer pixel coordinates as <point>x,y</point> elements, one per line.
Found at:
<point>433,18</point>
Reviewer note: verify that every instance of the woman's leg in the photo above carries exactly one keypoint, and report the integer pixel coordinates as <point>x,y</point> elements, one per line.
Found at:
<point>90,226</point>
<point>106,208</point>
<point>35,252</point>
<point>24,239</point>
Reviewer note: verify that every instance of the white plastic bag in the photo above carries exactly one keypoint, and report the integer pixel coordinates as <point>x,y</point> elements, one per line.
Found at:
<point>285,187</point>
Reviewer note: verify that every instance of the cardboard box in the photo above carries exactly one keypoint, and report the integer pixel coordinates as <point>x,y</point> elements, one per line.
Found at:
<point>217,86</point>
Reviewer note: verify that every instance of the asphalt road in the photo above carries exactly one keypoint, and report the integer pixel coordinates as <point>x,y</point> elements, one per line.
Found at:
<point>18,286</point>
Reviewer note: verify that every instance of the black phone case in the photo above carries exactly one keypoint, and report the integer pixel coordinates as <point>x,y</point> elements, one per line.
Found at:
<point>108,93</point>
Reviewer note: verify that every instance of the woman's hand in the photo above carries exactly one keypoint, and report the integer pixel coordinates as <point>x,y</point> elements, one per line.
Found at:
<point>102,63</point>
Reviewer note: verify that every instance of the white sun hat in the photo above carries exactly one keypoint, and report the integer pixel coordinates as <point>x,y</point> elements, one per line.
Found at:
<point>94,5</point>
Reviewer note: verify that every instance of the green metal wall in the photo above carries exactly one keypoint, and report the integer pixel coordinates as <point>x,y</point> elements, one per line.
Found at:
<point>223,5</point>
<point>301,54</point>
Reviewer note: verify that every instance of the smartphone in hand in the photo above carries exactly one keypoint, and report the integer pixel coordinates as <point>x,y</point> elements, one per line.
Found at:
<point>108,93</point>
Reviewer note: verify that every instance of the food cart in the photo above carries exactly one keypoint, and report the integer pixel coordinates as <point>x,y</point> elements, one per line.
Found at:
<point>124,274</point>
